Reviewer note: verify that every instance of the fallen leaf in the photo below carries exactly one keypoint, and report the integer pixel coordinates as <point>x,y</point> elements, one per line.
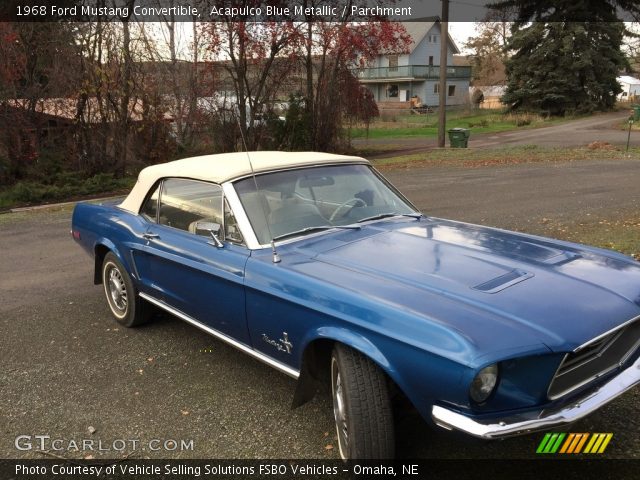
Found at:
<point>328,447</point>
<point>91,429</point>
<point>184,412</point>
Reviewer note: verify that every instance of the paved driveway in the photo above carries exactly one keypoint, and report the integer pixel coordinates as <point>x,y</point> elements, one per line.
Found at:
<point>68,369</point>
<point>575,133</point>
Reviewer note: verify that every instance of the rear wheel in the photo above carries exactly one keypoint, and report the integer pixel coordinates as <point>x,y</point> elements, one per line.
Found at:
<point>125,304</point>
<point>361,406</point>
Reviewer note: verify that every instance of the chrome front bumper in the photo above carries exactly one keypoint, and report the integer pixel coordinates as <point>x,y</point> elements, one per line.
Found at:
<point>537,420</point>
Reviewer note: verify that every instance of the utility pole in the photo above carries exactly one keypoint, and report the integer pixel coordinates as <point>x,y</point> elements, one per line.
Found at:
<point>444,40</point>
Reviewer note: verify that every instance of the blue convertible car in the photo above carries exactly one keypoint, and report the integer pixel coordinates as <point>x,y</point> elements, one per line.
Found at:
<point>314,264</point>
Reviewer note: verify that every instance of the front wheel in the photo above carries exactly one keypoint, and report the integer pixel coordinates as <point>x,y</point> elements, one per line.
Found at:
<point>361,406</point>
<point>125,305</point>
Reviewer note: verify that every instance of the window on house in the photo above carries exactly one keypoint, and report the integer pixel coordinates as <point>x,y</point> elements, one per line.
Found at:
<point>392,91</point>
<point>433,38</point>
<point>393,63</point>
<point>452,90</point>
<point>430,60</point>
<point>436,88</point>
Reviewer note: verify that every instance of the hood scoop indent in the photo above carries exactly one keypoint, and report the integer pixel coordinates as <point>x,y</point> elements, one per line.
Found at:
<point>498,284</point>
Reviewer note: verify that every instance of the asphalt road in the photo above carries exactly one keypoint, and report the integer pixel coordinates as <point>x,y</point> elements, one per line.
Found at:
<point>575,133</point>
<point>68,369</point>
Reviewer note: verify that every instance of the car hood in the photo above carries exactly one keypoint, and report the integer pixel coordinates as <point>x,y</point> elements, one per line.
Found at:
<point>495,288</point>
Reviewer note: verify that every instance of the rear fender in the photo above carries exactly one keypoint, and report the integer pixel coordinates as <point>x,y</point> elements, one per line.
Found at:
<point>101,247</point>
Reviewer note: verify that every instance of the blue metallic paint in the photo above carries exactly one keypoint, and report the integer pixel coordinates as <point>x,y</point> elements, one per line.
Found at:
<point>403,292</point>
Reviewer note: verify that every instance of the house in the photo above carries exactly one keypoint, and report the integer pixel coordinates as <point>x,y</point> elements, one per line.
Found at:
<point>401,77</point>
<point>630,88</point>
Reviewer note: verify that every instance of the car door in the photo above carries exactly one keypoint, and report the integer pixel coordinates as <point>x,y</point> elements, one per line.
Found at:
<point>188,271</point>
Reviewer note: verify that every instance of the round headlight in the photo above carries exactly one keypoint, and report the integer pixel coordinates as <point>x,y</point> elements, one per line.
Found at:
<point>484,383</point>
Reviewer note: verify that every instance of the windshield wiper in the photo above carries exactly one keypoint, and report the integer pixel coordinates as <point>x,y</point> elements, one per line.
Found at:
<point>417,216</point>
<point>319,228</point>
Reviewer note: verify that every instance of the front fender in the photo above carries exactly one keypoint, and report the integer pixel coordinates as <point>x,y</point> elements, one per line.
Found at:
<point>314,361</point>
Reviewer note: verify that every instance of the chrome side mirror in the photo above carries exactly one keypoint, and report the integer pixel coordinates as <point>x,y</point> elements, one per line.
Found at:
<point>213,229</point>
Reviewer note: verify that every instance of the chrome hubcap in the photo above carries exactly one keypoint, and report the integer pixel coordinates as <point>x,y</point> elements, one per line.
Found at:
<point>339,409</point>
<point>117,290</point>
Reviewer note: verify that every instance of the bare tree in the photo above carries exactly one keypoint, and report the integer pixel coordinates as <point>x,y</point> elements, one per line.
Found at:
<point>253,56</point>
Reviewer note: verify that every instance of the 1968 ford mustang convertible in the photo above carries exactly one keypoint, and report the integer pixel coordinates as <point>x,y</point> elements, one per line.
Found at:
<point>314,264</point>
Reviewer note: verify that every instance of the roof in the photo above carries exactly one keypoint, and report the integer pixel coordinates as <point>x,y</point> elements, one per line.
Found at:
<point>67,108</point>
<point>418,28</point>
<point>224,167</point>
<point>628,79</point>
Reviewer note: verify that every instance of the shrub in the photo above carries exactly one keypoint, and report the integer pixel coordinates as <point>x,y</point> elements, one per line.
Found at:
<point>64,186</point>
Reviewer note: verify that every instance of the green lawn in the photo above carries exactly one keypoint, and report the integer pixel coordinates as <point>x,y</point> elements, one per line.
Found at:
<point>480,121</point>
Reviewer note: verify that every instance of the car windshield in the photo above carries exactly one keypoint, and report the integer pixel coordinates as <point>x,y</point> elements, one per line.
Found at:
<point>306,200</point>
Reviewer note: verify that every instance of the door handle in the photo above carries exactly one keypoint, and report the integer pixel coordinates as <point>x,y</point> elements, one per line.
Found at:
<point>149,235</point>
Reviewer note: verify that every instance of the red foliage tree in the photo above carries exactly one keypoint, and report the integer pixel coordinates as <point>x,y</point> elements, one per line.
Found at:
<point>335,49</point>
<point>255,57</point>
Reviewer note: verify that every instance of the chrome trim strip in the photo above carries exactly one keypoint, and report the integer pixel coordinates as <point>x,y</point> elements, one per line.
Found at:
<point>240,346</point>
<point>603,349</point>
<point>582,383</point>
<point>244,224</point>
<point>618,329</point>
<point>608,332</point>
<point>537,420</point>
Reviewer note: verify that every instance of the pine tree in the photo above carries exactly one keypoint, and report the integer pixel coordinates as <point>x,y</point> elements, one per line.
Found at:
<point>565,55</point>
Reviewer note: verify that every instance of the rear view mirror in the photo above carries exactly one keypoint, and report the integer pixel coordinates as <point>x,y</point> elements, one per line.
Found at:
<point>316,181</point>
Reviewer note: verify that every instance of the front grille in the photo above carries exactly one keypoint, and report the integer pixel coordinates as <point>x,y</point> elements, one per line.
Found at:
<point>595,359</point>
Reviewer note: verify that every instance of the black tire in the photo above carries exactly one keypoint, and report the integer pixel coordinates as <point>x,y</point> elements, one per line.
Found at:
<point>126,306</point>
<point>361,406</point>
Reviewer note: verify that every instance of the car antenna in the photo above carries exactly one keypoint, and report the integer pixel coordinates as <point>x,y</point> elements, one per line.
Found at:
<point>276,257</point>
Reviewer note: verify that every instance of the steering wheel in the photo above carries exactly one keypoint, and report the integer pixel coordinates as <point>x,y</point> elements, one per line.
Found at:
<point>351,203</point>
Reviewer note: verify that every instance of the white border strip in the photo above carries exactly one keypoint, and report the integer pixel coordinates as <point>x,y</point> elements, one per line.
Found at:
<point>255,354</point>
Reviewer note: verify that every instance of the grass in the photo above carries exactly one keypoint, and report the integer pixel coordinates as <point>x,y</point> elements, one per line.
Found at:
<point>477,158</point>
<point>479,121</point>
<point>50,213</point>
<point>620,232</point>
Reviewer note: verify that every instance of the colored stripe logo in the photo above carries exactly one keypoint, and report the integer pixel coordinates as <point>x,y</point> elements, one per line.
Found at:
<point>574,443</point>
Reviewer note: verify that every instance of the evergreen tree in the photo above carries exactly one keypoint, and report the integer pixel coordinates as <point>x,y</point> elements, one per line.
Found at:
<point>565,54</point>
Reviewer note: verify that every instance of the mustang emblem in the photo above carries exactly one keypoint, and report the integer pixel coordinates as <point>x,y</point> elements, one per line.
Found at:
<point>284,345</point>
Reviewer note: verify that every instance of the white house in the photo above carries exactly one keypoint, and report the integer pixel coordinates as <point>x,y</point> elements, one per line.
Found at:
<point>630,88</point>
<point>401,76</point>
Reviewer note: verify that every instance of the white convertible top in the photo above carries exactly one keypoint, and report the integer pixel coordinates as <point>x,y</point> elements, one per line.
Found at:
<point>224,167</point>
